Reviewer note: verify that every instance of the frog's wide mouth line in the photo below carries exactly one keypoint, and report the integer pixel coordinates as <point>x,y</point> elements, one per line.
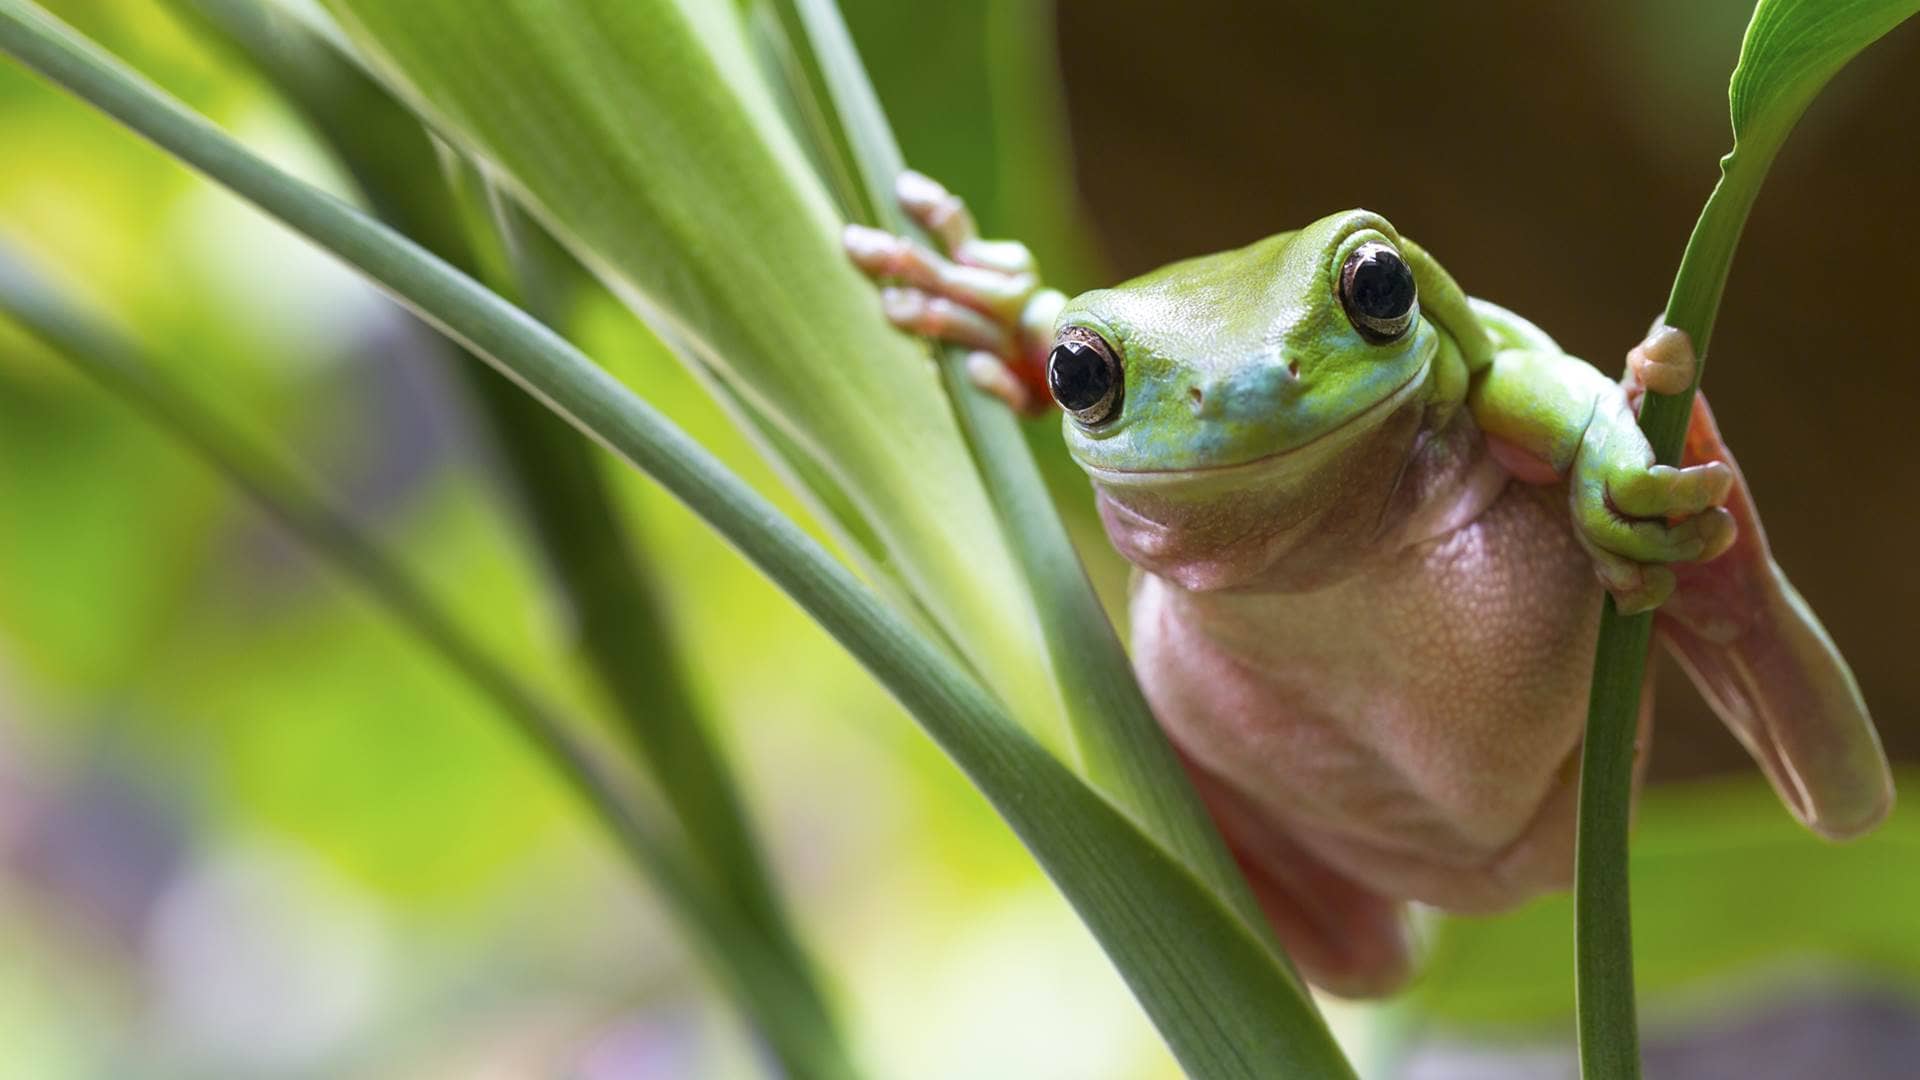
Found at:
<point>1232,469</point>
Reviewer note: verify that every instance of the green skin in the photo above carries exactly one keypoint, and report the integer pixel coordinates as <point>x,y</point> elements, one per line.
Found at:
<point>1371,570</point>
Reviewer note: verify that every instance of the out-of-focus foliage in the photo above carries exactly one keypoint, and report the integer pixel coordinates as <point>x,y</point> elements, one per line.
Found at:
<point>1722,882</point>
<point>271,718</point>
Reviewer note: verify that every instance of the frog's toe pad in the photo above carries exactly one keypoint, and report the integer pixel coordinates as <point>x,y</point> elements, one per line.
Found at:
<point>1655,539</point>
<point>1664,491</point>
<point>993,375</point>
<point>1665,362</point>
<point>920,312</point>
<point>1635,587</point>
<point>938,210</point>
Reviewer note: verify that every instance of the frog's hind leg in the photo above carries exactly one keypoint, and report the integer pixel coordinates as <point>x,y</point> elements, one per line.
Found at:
<point>1344,938</point>
<point>1762,660</point>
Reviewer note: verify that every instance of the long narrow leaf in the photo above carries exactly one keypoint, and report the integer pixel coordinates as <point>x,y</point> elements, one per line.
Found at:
<point>1121,744</point>
<point>589,556</point>
<point>638,133</point>
<point>621,631</point>
<point>1201,974</point>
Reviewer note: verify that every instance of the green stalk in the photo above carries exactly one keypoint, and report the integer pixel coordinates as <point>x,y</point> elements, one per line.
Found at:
<point>753,970</point>
<point>1603,927</point>
<point>1203,976</point>
<point>621,626</point>
<point>1122,747</point>
<point>1790,51</point>
<point>1603,915</point>
<point>618,625</point>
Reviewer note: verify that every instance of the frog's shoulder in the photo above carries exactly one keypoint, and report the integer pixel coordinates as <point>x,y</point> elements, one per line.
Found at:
<point>1511,331</point>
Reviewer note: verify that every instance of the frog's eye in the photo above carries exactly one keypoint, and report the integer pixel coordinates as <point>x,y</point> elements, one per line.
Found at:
<point>1376,288</point>
<point>1084,374</point>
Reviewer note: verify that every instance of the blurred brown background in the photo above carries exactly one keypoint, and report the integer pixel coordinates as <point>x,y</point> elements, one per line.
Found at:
<point>1554,157</point>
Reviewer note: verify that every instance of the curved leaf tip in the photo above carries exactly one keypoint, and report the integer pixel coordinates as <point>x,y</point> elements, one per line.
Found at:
<point>1793,47</point>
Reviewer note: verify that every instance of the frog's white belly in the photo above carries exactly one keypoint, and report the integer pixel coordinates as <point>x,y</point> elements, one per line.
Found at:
<point>1413,728</point>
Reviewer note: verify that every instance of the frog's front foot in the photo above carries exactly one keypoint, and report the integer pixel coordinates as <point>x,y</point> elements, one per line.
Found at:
<point>1664,363</point>
<point>1632,515</point>
<point>983,295</point>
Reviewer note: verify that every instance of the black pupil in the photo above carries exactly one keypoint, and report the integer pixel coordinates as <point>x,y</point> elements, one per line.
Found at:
<point>1382,286</point>
<point>1078,375</point>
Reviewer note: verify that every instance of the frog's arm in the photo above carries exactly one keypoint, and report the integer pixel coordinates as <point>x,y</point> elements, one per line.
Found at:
<point>1632,515</point>
<point>1550,416</point>
<point>1746,638</point>
<point>984,295</point>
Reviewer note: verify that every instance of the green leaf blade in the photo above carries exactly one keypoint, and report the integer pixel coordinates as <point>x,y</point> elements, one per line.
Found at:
<point>640,135</point>
<point>1121,745</point>
<point>1793,47</point>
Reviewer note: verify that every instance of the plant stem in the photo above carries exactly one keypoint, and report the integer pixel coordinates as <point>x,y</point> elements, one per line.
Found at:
<point>1603,931</point>
<point>621,627</point>
<point>1603,993</point>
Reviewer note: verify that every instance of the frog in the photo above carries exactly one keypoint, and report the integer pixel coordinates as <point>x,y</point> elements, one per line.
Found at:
<point>1372,523</point>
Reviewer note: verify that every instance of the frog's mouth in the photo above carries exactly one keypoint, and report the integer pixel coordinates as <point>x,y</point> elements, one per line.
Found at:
<point>1286,519</point>
<point>1292,459</point>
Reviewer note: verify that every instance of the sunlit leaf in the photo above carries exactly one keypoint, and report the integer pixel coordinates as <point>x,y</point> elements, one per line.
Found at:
<point>642,135</point>
<point>1120,744</point>
<point>1792,48</point>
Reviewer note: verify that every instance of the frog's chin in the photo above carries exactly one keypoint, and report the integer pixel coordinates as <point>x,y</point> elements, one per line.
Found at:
<point>1293,519</point>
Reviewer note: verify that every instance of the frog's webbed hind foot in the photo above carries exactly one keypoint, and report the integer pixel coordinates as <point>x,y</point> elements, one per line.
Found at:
<point>983,295</point>
<point>1753,647</point>
<point>1760,657</point>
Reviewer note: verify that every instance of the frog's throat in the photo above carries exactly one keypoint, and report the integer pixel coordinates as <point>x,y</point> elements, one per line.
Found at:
<point>1290,459</point>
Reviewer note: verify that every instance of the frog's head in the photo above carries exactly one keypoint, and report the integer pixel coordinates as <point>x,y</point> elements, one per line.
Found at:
<point>1231,406</point>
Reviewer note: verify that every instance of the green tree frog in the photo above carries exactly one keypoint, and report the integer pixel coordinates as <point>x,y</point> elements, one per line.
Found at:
<point>1372,519</point>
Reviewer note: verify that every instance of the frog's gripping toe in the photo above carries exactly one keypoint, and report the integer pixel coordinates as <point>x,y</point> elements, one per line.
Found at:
<point>1663,363</point>
<point>983,295</point>
<point>1759,656</point>
<point>1637,522</point>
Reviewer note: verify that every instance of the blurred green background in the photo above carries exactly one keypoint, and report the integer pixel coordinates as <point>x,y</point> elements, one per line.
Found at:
<point>248,828</point>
